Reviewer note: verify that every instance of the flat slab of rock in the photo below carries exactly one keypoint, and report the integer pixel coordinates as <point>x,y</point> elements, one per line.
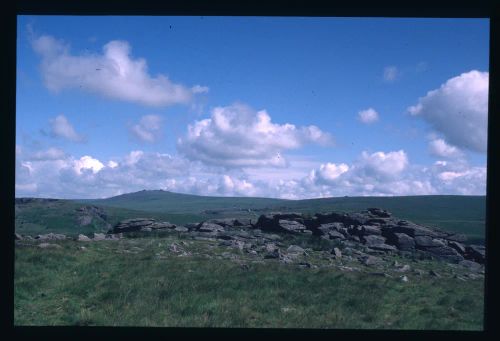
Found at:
<point>99,236</point>
<point>369,260</point>
<point>402,241</point>
<point>210,227</point>
<point>336,235</point>
<point>83,238</point>
<point>51,236</point>
<point>290,225</point>
<point>295,249</point>
<point>130,225</point>
<point>371,230</point>
<point>384,247</point>
<point>373,240</point>
<point>162,225</point>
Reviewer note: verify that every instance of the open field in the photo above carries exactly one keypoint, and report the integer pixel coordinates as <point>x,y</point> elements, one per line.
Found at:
<point>144,282</point>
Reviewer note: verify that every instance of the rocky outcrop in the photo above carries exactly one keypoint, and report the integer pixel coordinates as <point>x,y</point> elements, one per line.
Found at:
<point>375,229</point>
<point>140,224</point>
<point>378,230</point>
<point>86,214</point>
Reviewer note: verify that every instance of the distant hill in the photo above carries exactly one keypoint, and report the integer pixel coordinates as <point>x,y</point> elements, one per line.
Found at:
<point>165,201</point>
<point>462,214</point>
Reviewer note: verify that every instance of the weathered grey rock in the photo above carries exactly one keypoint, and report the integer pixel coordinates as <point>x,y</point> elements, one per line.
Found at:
<point>162,225</point>
<point>379,212</point>
<point>273,254</point>
<point>99,236</point>
<point>369,260</point>
<point>424,242</point>
<point>114,236</point>
<point>49,246</point>
<point>290,226</point>
<point>402,241</point>
<point>273,237</point>
<point>210,227</point>
<point>371,230</point>
<point>404,278</point>
<point>373,240</point>
<point>336,235</point>
<point>414,230</point>
<point>181,229</point>
<point>355,239</point>
<point>445,252</point>
<point>83,238</point>
<point>476,253</point>
<point>349,251</point>
<point>50,236</point>
<point>457,246</point>
<point>17,236</point>
<point>232,222</point>
<point>130,225</point>
<point>404,268</point>
<point>470,265</point>
<point>146,229</point>
<point>336,251</point>
<point>295,249</point>
<point>383,247</point>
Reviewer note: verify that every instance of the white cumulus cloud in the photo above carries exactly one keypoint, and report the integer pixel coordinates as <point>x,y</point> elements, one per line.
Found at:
<point>368,116</point>
<point>238,136</point>
<point>61,127</point>
<point>440,148</point>
<point>330,171</point>
<point>382,164</point>
<point>87,162</point>
<point>459,110</point>
<point>113,74</point>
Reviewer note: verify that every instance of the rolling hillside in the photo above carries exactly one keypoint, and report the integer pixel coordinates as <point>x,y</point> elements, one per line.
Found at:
<point>463,214</point>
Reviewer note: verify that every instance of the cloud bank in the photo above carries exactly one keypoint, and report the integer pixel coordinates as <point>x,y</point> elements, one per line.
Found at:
<point>375,174</point>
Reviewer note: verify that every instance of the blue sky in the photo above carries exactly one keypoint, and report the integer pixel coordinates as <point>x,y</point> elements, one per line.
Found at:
<point>347,101</point>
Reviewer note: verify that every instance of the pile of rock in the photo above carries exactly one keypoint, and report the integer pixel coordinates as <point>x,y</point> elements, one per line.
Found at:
<point>378,230</point>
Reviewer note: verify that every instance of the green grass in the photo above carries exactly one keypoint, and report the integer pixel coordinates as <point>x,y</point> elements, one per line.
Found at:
<point>107,284</point>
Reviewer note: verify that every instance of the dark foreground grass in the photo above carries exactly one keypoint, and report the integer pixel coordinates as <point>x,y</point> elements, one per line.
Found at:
<point>125,283</point>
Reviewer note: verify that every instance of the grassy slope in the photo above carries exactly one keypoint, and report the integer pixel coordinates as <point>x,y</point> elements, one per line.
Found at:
<point>107,284</point>
<point>61,217</point>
